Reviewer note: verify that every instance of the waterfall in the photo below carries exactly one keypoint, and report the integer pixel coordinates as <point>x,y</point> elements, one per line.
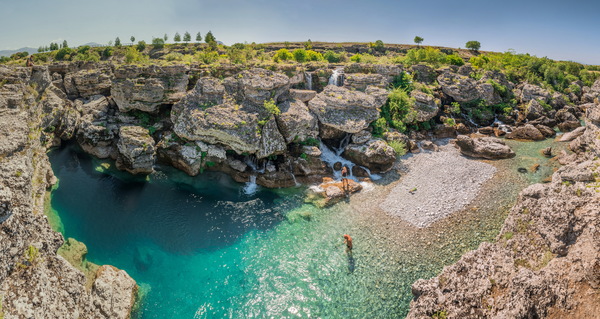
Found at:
<point>252,162</point>
<point>331,157</point>
<point>292,172</point>
<point>308,78</point>
<point>251,186</point>
<point>337,78</point>
<point>503,127</point>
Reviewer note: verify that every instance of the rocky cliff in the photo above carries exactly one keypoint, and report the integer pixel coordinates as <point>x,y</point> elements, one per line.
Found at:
<point>36,282</point>
<point>545,262</point>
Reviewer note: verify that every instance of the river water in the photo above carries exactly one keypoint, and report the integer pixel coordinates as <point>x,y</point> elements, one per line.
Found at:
<point>199,247</point>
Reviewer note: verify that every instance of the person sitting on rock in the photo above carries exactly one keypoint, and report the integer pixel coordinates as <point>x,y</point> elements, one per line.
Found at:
<point>348,242</point>
<point>30,61</point>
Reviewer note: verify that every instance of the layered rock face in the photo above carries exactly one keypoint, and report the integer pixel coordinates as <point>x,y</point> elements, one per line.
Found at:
<point>545,262</point>
<point>35,282</point>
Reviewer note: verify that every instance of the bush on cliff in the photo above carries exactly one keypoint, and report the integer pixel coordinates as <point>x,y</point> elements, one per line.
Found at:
<point>282,55</point>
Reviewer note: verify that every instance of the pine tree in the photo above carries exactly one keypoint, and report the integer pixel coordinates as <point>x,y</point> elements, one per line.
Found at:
<point>117,42</point>
<point>209,38</point>
<point>166,37</point>
<point>177,37</point>
<point>187,37</point>
<point>132,39</point>
<point>198,37</point>
<point>64,44</point>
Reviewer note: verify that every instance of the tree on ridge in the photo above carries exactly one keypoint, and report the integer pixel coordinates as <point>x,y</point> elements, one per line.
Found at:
<point>418,40</point>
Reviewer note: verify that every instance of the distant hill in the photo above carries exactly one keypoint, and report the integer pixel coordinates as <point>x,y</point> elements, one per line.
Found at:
<point>11,52</point>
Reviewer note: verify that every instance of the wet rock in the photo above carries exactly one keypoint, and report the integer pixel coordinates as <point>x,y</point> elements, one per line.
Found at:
<point>137,153</point>
<point>484,147</point>
<point>568,126</point>
<point>296,123</point>
<point>330,192</point>
<point>376,155</point>
<point>487,130</point>
<point>429,146</point>
<point>358,171</point>
<point>547,152</point>
<point>340,110</point>
<point>190,158</point>
<point>113,293</point>
<point>526,132</point>
<point>145,88</point>
<point>95,133</point>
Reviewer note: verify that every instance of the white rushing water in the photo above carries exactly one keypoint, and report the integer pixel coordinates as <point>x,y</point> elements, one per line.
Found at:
<point>308,78</point>
<point>251,187</point>
<point>337,78</point>
<point>333,156</point>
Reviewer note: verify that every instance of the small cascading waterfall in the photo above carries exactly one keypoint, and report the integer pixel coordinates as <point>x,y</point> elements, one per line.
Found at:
<point>337,78</point>
<point>251,187</point>
<point>308,78</point>
<point>503,127</point>
<point>333,156</point>
<point>292,172</point>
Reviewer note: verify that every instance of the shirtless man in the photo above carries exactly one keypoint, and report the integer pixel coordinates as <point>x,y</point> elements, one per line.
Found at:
<point>348,242</point>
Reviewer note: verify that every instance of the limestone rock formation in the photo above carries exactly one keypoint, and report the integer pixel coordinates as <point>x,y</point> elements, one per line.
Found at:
<point>95,134</point>
<point>341,111</point>
<point>137,153</point>
<point>256,86</point>
<point>296,122</point>
<point>484,147</point>
<point>426,106</point>
<point>544,263</point>
<point>87,83</point>
<point>302,95</point>
<point>360,81</point>
<point>528,92</point>
<point>526,132</point>
<point>145,88</point>
<point>113,293</point>
<point>460,88</point>
<point>376,155</point>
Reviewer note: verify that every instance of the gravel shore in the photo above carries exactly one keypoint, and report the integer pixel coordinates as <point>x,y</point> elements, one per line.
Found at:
<point>435,185</point>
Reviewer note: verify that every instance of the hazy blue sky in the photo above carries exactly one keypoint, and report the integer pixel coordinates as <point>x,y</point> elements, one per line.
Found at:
<point>567,30</point>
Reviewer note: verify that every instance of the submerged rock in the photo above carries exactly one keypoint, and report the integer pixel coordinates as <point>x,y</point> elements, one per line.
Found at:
<point>484,147</point>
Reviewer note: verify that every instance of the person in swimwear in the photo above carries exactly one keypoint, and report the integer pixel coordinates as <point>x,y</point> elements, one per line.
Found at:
<point>348,242</point>
<point>345,186</point>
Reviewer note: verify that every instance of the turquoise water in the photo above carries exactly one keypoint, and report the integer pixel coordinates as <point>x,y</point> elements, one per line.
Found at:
<point>200,248</point>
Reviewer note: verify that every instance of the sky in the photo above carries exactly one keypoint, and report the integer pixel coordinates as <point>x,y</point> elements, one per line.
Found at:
<point>563,30</point>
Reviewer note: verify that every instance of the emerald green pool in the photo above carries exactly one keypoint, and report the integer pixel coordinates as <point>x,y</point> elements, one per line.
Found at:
<point>199,247</point>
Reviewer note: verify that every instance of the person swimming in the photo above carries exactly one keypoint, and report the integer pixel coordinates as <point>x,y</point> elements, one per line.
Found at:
<point>348,242</point>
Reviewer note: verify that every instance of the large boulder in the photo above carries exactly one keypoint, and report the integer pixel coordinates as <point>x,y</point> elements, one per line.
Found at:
<point>488,94</point>
<point>209,113</point>
<point>530,92</point>
<point>360,81</point>
<point>256,86</point>
<point>526,132</point>
<point>302,95</point>
<point>191,158</point>
<point>95,134</point>
<point>137,153</point>
<point>145,88</point>
<point>86,83</point>
<point>484,147</point>
<point>114,293</point>
<point>426,106</point>
<point>296,122</point>
<point>341,111</point>
<point>460,88</point>
<point>376,155</point>
<point>423,73</point>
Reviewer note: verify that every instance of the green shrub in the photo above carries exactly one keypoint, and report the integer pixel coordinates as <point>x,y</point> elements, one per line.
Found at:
<point>64,54</point>
<point>83,49</point>
<point>314,56</point>
<point>299,55</point>
<point>158,43</point>
<point>398,146</point>
<point>356,58</point>
<point>207,57</point>
<point>403,81</point>
<point>271,107</point>
<point>380,126</point>
<point>332,57</point>
<point>282,55</point>
<point>454,60</point>
<point>107,52</point>
<point>425,55</point>
<point>134,56</point>
<point>398,109</point>
<point>174,56</point>
<point>141,46</point>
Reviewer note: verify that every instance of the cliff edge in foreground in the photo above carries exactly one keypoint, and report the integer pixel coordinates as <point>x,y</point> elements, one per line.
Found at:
<point>545,262</point>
